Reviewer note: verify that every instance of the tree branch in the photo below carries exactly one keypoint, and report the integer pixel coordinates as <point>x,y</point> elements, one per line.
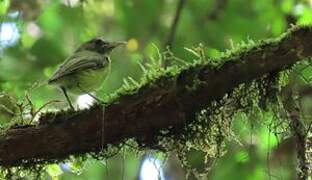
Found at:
<point>298,131</point>
<point>166,103</point>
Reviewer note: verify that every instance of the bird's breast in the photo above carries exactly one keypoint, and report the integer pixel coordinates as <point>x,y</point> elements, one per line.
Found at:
<point>92,79</point>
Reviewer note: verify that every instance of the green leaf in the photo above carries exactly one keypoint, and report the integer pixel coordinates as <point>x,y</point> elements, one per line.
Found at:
<point>242,156</point>
<point>4,6</point>
<point>287,6</point>
<point>213,53</point>
<point>54,170</point>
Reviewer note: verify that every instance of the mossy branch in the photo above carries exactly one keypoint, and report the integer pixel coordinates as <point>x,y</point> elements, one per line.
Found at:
<point>167,102</point>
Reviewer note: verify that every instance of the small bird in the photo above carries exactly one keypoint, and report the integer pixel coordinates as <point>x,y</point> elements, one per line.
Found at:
<point>85,70</point>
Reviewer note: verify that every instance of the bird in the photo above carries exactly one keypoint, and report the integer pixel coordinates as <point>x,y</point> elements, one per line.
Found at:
<point>86,69</point>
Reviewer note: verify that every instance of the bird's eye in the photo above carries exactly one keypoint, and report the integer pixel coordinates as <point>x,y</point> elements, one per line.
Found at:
<point>98,41</point>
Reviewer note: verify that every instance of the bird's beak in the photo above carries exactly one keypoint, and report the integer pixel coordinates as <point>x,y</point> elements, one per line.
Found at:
<point>116,44</point>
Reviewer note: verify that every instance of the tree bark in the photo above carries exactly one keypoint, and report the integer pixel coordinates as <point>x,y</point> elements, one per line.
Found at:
<point>166,103</point>
<point>297,129</point>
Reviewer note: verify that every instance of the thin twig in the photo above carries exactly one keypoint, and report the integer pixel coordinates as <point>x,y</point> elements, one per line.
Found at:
<point>34,113</point>
<point>218,9</point>
<point>174,24</point>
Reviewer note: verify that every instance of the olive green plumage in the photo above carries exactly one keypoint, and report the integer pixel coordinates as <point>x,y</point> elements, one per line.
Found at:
<point>86,70</point>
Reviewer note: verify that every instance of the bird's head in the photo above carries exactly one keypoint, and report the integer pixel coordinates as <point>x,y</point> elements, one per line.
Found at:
<point>99,45</point>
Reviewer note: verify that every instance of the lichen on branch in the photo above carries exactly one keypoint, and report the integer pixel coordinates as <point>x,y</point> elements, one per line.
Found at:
<point>168,102</point>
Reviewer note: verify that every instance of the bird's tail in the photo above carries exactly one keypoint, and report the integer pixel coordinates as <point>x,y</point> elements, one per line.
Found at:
<point>39,84</point>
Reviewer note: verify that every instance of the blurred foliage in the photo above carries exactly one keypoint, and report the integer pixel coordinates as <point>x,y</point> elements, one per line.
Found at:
<point>35,36</point>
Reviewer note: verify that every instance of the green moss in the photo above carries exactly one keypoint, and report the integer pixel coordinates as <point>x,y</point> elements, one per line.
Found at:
<point>196,83</point>
<point>212,126</point>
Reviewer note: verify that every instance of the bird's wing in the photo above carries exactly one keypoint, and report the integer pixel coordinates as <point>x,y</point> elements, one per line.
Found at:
<point>78,62</point>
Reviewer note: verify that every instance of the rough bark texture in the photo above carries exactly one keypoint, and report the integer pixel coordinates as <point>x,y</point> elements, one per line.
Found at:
<point>298,132</point>
<point>165,103</point>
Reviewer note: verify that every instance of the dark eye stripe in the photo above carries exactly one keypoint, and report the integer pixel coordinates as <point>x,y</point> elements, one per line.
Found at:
<point>98,41</point>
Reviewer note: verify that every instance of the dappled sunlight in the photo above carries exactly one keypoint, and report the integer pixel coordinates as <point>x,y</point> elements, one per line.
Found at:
<point>84,101</point>
<point>151,169</point>
<point>9,34</point>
